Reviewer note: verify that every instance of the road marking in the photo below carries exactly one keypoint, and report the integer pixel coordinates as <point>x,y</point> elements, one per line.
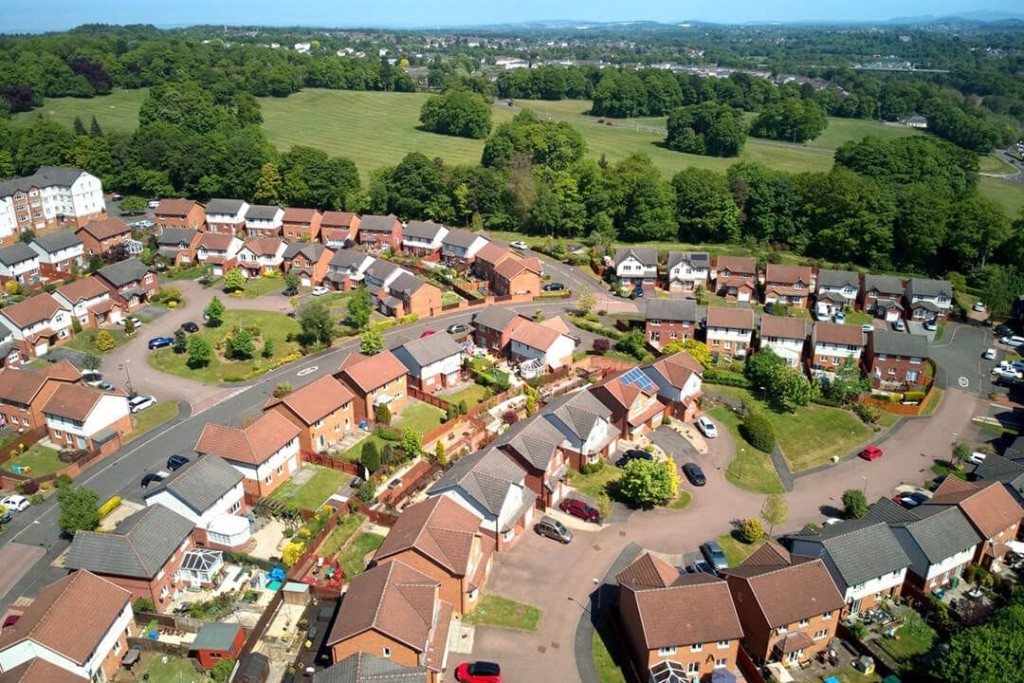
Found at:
<point>305,371</point>
<point>964,382</point>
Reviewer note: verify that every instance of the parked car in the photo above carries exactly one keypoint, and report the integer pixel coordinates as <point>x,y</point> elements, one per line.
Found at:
<point>137,404</point>
<point>899,325</point>
<point>871,453</point>
<point>478,672</point>
<point>707,427</point>
<point>190,327</point>
<point>176,461</point>
<point>977,457</point>
<point>694,473</point>
<point>153,204</point>
<point>553,287</point>
<point>553,529</point>
<point>931,325</point>
<point>633,454</point>
<point>319,290</point>
<point>978,306</point>
<point>160,342</point>
<point>394,483</point>
<point>427,333</point>
<point>990,354</point>
<point>519,244</point>
<point>289,291</point>
<point>714,555</point>
<point>867,328</point>
<point>458,328</point>
<point>16,502</point>
<point>1007,374</point>
<point>1004,331</point>
<point>1013,341</point>
<point>577,508</point>
<point>638,292</point>
<point>910,500</point>
<point>701,567</point>
<point>153,478</point>
<point>840,317</point>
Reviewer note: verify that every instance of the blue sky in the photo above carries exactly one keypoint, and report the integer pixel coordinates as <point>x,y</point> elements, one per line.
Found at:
<point>40,15</point>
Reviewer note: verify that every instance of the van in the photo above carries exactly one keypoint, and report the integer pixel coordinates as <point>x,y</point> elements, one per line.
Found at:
<point>553,529</point>
<point>1015,342</point>
<point>153,204</point>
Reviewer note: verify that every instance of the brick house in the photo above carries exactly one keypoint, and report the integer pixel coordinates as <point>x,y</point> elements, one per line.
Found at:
<point>141,555</point>
<point>408,294</point>
<point>515,275</point>
<point>459,248</point>
<point>730,331</point>
<point>786,337</point>
<point>680,380</point>
<point>666,320</point>
<point>535,445</point>
<point>688,270</point>
<point>307,260</point>
<point>49,198</point>
<point>322,410</point>
<point>338,229</point>
<point>1007,469</point>
<point>380,274</point>
<point>547,342</point>
<point>788,285</point>
<point>178,245</point>
<point>217,641</point>
<point>676,626</point>
<point>633,399</point>
<point>359,665</point>
<point>433,362</point>
<point>39,322</point>
<point>263,221</point>
<point>833,344</point>
<point>183,214</point>
<point>637,267</point>
<point>423,239</point>
<point>488,258</point>
<point>378,232</point>
<point>60,253</point>
<point>24,392</point>
<point>347,268</point>
<point>100,236</point>
<point>19,263</point>
<point>837,290</point>
<point>130,283</point>
<point>788,605</point>
<point>442,539</point>
<point>928,299</point>
<point>40,671</point>
<point>396,612</point>
<point>266,451</point>
<point>80,624</point>
<point>881,296</point>
<point>736,278</point>
<point>896,359</point>
<point>219,251</point>
<point>493,328</point>
<point>226,216</point>
<point>374,381</point>
<point>261,255</point>
<point>301,225</point>
<point>89,302</point>
<point>80,417</point>
<point>588,434</point>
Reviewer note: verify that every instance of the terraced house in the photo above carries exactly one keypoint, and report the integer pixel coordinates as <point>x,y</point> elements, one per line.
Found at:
<point>266,451</point>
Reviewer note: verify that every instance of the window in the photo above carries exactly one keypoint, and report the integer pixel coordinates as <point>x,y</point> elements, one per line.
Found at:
<point>826,616</point>
<point>654,322</point>
<point>387,652</point>
<point>892,371</point>
<point>117,646</point>
<point>693,668</point>
<point>823,633</point>
<point>236,507</point>
<point>696,647</point>
<point>722,644</point>
<point>780,630</point>
<point>721,663</point>
<point>805,622</point>
<point>666,651</point>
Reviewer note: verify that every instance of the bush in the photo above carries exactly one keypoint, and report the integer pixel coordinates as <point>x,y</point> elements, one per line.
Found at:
<point>751,530</point>
<point>592,467</point>
<point>62,480</point>
<point>510,417</point>
<point>104,341</point>
<point>143,605</point>
<point>370,456</point>
<point>366,492</point>
<point>914,396</point>
<point>855,504</point>
<point>758,431</point>
<point>387,433</point>
<point>602,345</point>
<point>109,506</point>
<point>867,414</point>
<point>27,488</point>
<point>726,378</point>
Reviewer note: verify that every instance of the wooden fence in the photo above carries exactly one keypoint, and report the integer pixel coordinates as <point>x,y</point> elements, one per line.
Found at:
<point>435,401</point>
<point>353,468</point>
<point>261,626</point>
<point>895,408</point>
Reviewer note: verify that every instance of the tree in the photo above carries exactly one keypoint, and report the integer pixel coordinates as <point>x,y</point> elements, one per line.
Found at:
<point>382,414</point>
<point>709,129</point>
<point>457,112</point>
<point>411,443</point>
<point>369,457</point>
<point>439,453</point>
<point>634,343</point>
<point>783,386</point>
<point>855,504</point>
<point>200,352</point>
<point>371,342</point>
<point>705,209</point>
<point>774,511</point>
<point>180,341</point>
<point>214,313</point>
<point>268,185</point>
<point>221,671</point>
<point>234,280</point>
<point>792,120</point>
<point>133,204</point>
<point>104,341</point>
<point>699,350</point>
<point>79,509</point>
<point>129,326</point>
<point>360,306</point>
<point>845,385</point>
<point>94,128</point>
<point>78,126</point>
<point>317,324</point>
<point>91,362</point>
<point>586,301</point>
<point>291,281</point>
<point>987,652</point>
<point>751,530</point>
<point>757,429</point>
<point>240,344</point>
<point>647,483</point>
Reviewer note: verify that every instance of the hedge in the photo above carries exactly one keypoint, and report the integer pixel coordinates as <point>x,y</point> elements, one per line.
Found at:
<point>914,396</point>
<point>758,431</point>
<point>108,507</point>
<point>726,378</point>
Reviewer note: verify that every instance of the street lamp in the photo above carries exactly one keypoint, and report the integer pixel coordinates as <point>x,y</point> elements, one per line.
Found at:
<point>124,366</point>
<point>585,608</point>
<point>864,489</point>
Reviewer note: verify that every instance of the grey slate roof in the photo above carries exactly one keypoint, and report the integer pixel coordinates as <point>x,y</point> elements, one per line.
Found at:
<point>861,549</point>
<point>460,238</point>
<point>45,176</point>
<point>260,212</point>
<point>138,548</point>
<point>419,353</point>
<point>16,253</point>
<point>311,250</point>
<point>944,532</point>
<point>485,476</point>
<point>696,259</point>
<point>887,511</point>
<point>536,442</point>
<point>175,236</point>
<point>228,207</point>
<point>837,279</point>
<point>215,636</point>
<point>371,223</point>
<point>406,283</point>
<point>648,256</point>
<point>580,412</point>
<point>362,667</point>
<point>200,483</point>
<point>120,274</point>
<point>347,258</point>
<point>930,288</point>
<point>883,284</point>
<point>899,344</point>
<point>53,242</point>
<point>381,269</point>
<point>1005,470</point>
<point>684,310</point>
<point>495,317</point>
<point>424,230</point>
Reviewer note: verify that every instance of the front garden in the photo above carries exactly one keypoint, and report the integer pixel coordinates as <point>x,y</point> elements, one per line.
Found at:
<point>494,610</point>
<point>750,469</point>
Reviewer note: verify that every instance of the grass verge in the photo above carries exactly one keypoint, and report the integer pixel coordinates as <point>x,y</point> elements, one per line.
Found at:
<point>736,550</point>
<point>257,287</point>
<point>313,493</point>
<point>682,500</point>
<point>151,418</point>
<point>932,402</point>
<point>750,469</point>
<point>494,610</point>
<point>607,653</point>
<point>594,484</point>
<point>353,560</point>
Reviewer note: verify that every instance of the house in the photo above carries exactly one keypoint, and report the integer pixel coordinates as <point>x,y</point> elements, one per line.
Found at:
<point>488,258</point>
<point>736,278</point>
<point>183,214</point>
<point>492,486</point>
<point>308,260</point>
<point>667,320</point>
<point>688,270</point>
<point>396,612</point>
<point>993,512</point>
<point>493,328</point>
<point>409,295</point>
<point>362,667</point>
<point>680,380</point>
<point>322,410</point>
<point>585,423</point>
<point>40,321</point>
<point>217,641</point>
<point>89,302</point>
<point>864,558</point>
<point>896,359</point>
<point>301,225</point>
<point>209,493</point>
<point>219,251</point>
<point>1003,469</point>
<point>433,362</point>
<point>79,417</point>
<point>19,263</point>
<point>374,381</point>
<point>915,121</point>
<point>100,237</point>
<point>178,245</point>
<point>261,255</point>
<point>60,253</point>
<point>347,268</point>
<point>788,605</point>
<point>730,331</point>
<point>39,671</point>
<point>12,353</point>
<point>928,299</point>
<point>788,285</point>
<point>786,336</point>
<point>266,451</point>
<point>379,232</point>
<point>380,274</point>
<point>535,445</point>
<point>833,344</point>
<point>24,392</point>
<point>882,296</point>
<point>547,342</point>
<point>142,555</point>
<point>130,283</point>
<point>338,229</point>
<point>49,198</point>
<point>423,239</point>
<point>80,624</point>
<point>837,291</point>
<point>516,276</point>
<point>637,267</point>
<point>263,221</point>
<point>633,399</point>
<point>939,540</point>
<point>676,626</point>
<point>460,247</point>
<point>226,216</point>
<point>442,539</point>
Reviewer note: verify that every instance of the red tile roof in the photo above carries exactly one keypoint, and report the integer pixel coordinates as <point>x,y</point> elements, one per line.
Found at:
<point>492,253</point>
<point>82,290</point>
<point>782,274</point>
<point>367,373</point>
<point>337,219</point>
<point>438,528</point>
<point>39,670</point>
<point>733,318</point>
<point>745,265</point>
<point>174,207</point>
<point>989,507</point>
<point>315,400</point>
<point>783,327</point>
<point>297,215</point>
<point>648,571</point>
<point>252,444</point>
<point>696,610</point>
<point>835,333</point>
<point>215,241</point>
<point>105,228</point>
<point>73,401</point>
<point>678,368</point>
<point>32,310</point>
<point>534,335</point>
<point>22,385</point>
<point>263,246</point>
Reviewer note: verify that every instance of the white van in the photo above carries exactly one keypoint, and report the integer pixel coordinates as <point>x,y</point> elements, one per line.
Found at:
<point>1014,342</point>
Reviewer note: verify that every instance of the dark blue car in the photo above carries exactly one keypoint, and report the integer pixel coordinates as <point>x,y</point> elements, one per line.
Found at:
<point>160,342</point>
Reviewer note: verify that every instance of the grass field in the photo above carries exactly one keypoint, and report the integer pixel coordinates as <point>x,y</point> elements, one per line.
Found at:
<point>494,610</point>
<point>313,493</point>
<point>750,469</point>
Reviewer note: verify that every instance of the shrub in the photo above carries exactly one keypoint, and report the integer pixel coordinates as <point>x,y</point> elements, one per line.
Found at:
<point>601,346</point>
<point>451,412</point>
<point>387,433</point>
<point>867,414</point>
<point>592,467</point>
<point>758,431</point>
<point>726,378</point>
<point>366,492</point>
<point>109,506</point>
<point>370,456</point>
<point>143,605</point>
<point>104,341</point>
<point>751,530</point>
<point>282,389</point>
<point>858,630</point>
<point>28,487</point>
<point>61,481</point>
<point>292,552</point>
<point>855,504</point>
<point>914,396</point>
<point>510,417</point>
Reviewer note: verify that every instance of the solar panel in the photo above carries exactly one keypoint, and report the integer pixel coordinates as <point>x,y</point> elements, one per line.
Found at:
<point>637,378</point>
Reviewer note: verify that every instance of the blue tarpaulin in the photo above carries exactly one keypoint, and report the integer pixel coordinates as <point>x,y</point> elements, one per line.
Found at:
<point>723,676</point>
<point>831,679</point>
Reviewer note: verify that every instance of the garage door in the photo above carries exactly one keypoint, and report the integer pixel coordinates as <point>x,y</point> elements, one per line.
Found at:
<point>305,281</point>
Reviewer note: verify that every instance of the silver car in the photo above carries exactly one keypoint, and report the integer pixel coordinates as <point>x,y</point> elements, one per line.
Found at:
<point>553,529</point>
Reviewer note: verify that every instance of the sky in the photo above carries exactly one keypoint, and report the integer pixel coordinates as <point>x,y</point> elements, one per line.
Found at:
<point>50,15</point>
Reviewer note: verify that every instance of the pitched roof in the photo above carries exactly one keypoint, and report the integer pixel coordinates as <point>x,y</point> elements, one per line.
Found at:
<point>174,207</point>
<point>899,344</point>
<point>624,393</point>
<point>513,266</point>
<point>337,219</point>
<point>677,368</point>
<point>199,483</point>
<point>783,327</point>
<point>438,528</point>
<point>461,238</point>
<point>535,336</point>
<point>837,333</point>
<point>940,534</point>
<point>90,603</point>
<point>32,310</point>
<point>926,287</point>
<point>648,571</point>
<point>406,284</point>
<point>684,310</point>
<point>745,265</point>
<point>216,241</point>
<point>536,442</point>
<point>838,279</point>
<point>495,317</point>
<point>17,253</point>
<point>299,215</point>
<point>311,250</point>
<point>45,176</point>
<point>485,476</point>
<point>73,401</point>
<point>861,550</point>
<point>262,212</point>
<point>775,272</point>
<point>492,252</point>
<point>697,259</point>
<point>580,412</point>
<point>362,667</point>
<point>883,284</point>
<point>252,444</point>
<point>215,636</point>
<point>382,270</point>
<point>992,468</point>
<point>38,670</point>
<point>53,242</point>
<point>348,258</point>
<point>733,318</point>
<point>697,609</point>
<point>176,236</point>
<point>139,548</point>
<point>372,223</point>
<point>124,272</point>
<point>419,353</point>
<point>229,207</point>
<point>989,507</point>
<point>315,400</point>
<point>263,246</point>
<point>369,372</point>
<point>20,385</point>
<point>82,290</point>
<point>105,228</point>
<point>425,230</point>
<point>648,256</point>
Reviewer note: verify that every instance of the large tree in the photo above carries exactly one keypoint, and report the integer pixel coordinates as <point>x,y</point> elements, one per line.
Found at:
<point>705,209</point>
<point>317,323</point>
<point>457,112</point>
<point>993,651</point>
<point>792,120</point>
<point>79,509</point>
<point>647,483</point>
<point>360,306</point>
<point>785,387</point>
<point>709,129</point>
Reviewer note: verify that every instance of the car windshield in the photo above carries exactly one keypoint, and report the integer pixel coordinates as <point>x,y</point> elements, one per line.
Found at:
<point>483,668</point>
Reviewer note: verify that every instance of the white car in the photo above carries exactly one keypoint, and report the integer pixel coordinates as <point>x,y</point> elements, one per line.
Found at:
<point>135,321</point>
<point>707,427</point>
<point>1009,374</point>
<point>519,244</point>
<point>990,354</point>
<point>319,291</point>
<point>978,306</point>
<point>153,203</point>
<point>139,403</point>
<point>15,502</point>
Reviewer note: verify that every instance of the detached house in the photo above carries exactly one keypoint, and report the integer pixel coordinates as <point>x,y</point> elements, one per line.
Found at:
<point>786,337</point>
<point>60,253</point>
<point>130,283</point>
<point>226,216</point>
<point>669,319</point>
<point>266,451</point>
<point>79,417</point>
<point>308,260</point>
<point>23,393</point>
<point>178,245</point>
<point>882,296</point>
<point>183,214</point>
<point>423,239</point>
<point>588,434</point>
<point>896,359</point>
<point>142,555</point>
<point>837,290</point>
<point>219,251</point>
<point>493,328</point>
<point>90,302</point>
<point>19,263</point>
<point>676,626</point>
<point>547,342</point>
<point>515,276</point>
<point>460,247</point>
<point>633,399</point>
<point>301,225</point>
<point>338,229</point>
<point>379,232</point>
<point>736,278</point>
<point>380,275</point>
<point>263,222</point>
<point>534,445</point>
<point>834,344</point>
<point>788,285</point>
<point>408,294</point>
<point>40,322</point>
<point>488,258</point>
<point>730,331</point>
<point>323,411</point>
<point>680,381</point>
<point>927,299</point>
<point>259,256</point>
<point>433,362</point>
<point>100,236</point>
<point>374,381</point>
<point>688,270</point>
<point>346,268</point>
<point>637,267</point>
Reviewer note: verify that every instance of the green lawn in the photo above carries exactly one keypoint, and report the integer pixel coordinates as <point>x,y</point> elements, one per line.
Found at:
<point>494,610</point>
<point>605,652</point>
<point>340,534</point>
<point>474,394</point>
<point>915,638</point>
<point>353,560</point>
<point>682,501</point>
<point>315,492</point>
<point>1007,195</point>
<point>39,459</point>
<point>992,164</point>
<point>735,550</point>
<point>595,484</point>
<point>257,287</point>
<point>353,453</point>
<point>151,418</point>
<point>858,318</point>
<point>274,326</point>
<point>750,469</point>
<point>85,341</point>
<point>176,670</point>
<point>117,111</point>
<point>419,417</point>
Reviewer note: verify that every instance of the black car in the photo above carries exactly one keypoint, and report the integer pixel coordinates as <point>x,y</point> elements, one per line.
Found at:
<point>633,454</point>
<point>289,291</point>
<point>151,478</point>
<point>190,327</point>
<point>176,461</point>
<point>694,473</point>
<point>1004,331</point>
<point>553,287</point>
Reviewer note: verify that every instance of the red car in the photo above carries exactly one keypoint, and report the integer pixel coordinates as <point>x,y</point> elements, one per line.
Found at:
<point>478,672</point>
<point>577,508</point>
<point>871,453</point>
<point>427,333</point>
